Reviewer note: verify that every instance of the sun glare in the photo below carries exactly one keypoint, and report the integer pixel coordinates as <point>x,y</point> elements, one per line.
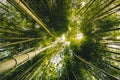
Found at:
<point>83,4</point>
<point>63,38</point>
<point>118,37</point>
<point>79,36</point>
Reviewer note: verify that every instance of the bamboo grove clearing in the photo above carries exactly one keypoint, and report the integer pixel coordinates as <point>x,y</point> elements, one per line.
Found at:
<point>59,39</point>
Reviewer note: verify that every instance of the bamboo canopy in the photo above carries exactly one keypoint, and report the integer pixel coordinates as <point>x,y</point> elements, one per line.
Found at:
<point>59,39</point>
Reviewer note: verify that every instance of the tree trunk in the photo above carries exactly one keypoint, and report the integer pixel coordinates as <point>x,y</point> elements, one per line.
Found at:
<point>17,60</point>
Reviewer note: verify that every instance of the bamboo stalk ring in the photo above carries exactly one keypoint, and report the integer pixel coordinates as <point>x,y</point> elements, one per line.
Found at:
<point>16,63</point>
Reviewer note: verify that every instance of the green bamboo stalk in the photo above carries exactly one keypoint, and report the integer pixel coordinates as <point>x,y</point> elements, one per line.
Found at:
<point>9,38</point>
<point>8,21</point>
<point>105,31</point>
<point>44,69</point>
<point>32,68</point>
<point>108,10</point>
<point>9,44</point>
<point>109,42</point>
<point>89,64</point>
<point>23,52</point>
<point>19,59</point>
<point>113,66</point>
<point>87,6</point>
<point>109,3</point>
<point>4,8</point>
<point>34,71</point>
<point>9,31</point>
<point>66,71</point>
<point>106,14</point>
<point>74,74</point>
<point>110,52</point>
<point>111,39</point>
<point>113,59</point>
<point>92,72</point>
<point>19,4</point>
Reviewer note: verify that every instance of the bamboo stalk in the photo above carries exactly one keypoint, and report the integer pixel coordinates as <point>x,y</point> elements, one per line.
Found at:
<point>32,68</point>
<point>108,10</point>
<point>81,59</point>
<point>19,4</point>
<point>96,76</point>
<point>107,14</point>
<point>67,75</point>
<point>109,58</point>
<point>110,42</point>
<point>4,8</point>
<point>17,60</point>
<point>110,52</point>
<point>105,31</point>
<point>9,44</point>
<point>17,38</point>
<point>113,48</point>
<point>44,69</point>
<point>109,3</point>
<point>86,5</point>
<point>74,74</point>
<point>113,66</point>
<point>9,31</point>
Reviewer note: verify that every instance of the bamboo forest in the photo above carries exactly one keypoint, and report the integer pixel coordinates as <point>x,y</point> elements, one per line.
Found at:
<point>59,39</point>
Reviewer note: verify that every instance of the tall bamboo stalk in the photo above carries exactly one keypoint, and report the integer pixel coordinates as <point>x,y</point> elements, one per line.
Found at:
<point>109,3</point>
<point>19,4</point>
<point>105,31</point>
<point>17,60</point>
<point>9,31</point>
<point>9,44</point>
<point>89,64</point>
<point>22,38</point>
